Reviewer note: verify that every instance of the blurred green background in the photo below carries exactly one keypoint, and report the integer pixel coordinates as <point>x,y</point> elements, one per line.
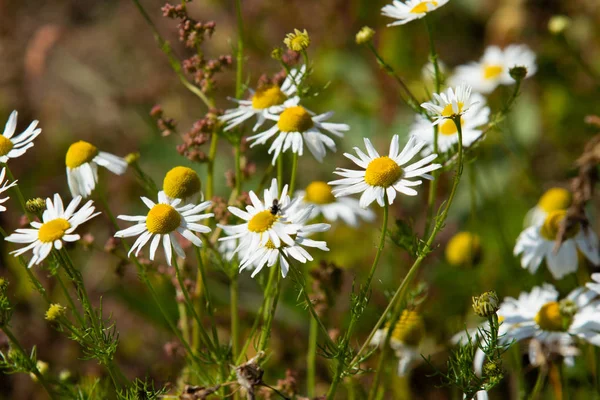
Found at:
<point>91,70</point>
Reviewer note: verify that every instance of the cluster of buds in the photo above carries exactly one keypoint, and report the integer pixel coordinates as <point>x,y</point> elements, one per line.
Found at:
<point>203,71</point>
<point>487,304</point>
<point>198,135</point>
<point>191,32</point>
<point>327,281</point>
<point>167,126</point>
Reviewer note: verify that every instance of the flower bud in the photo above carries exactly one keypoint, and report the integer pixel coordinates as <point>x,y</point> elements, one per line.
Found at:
<point>35,206</point>
<point>518,73</point>
<point>558,24</point>
<point>277,54</point>
<point>55,311</point>
<point>486,304</point>
<point>297,41</point>
<point>132,158</point>
<point>365,35</point>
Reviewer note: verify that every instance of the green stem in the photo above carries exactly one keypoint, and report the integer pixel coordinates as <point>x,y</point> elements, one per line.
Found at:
<point>539,383</point>
<point>381,245</point>
<point>233,294</point>
<point>209,305</point>
<point>280,172</point>
<point>210,178</point>
<point>293,178</point>
<point>238,169</point>
<point>433,55</point>
<point>239,50</point>
<point>69,299</point>
<point>311,358</point>
<point>440,220</point>
<point>272,291</point>
<point>33,367</point>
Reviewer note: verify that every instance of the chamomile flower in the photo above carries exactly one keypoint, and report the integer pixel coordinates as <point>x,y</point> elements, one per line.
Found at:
<point>477,115</point>
<point>270,99</point>
<point>5,186</point>
<point>405,340</point>
<point>383,176</point>
<point>296,126</point>
<point>449,104</point>
<point>13,147</point>
<point>82,162</point>
<point>553,199</point>
<point>493,68</point>
<point>58,225</point>
<point>182,183</point>
<point>410,10</point>
<point>556,324</point>
<point>319,195</point>
<point>264,221</point>
<point>464,250</point>
<point>270,254</point>
<point>536,244</point>
<point>162,221</point>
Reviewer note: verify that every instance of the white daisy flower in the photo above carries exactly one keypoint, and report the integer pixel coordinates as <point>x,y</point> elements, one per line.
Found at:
<point>82,162</point>
<point>471,120</point>
<point>5,186</point>
<point>296,126</point>
<point>264,221</point>
<point>269,254</point>
<point>384,174</point>
<point>406,337</point>
<point>162,221</point>
<point>410,10</point>
<point>553,199</point>
<point>319,196</point>
<point>536,244</point>
<point>57,225</point>
<point>267,100</point>
<point>493,68</point>
<point>553,323</point>
<point>13,147</point>
<point>449,104</point>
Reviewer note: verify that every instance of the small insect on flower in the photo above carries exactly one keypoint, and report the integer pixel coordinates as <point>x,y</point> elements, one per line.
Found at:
<point>320,197</point>
<point>5,186</point>
<point>275,207</point>
<point>553,199</point>
<point>58,225</point>
<point>82,162</point>
<point>182,183</point>
<point>471,120</point>
<point>494,68</point>
<point>536,244</point>
<point>407,11</point>
<point>383,176</point>
<point>13,147</point>
<point>271,99</point>
<point>162,221</point>
<point>296,126</point>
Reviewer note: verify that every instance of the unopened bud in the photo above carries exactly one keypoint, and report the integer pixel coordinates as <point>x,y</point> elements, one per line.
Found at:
<point>364,35</point>
<point>132,158</point>
<point>518,73</point>
<point>55,311</point>
<point>42,367</point>
<point>277,54</point>
<point>35,206</point>
<point>558,24</point>
<point>486,304</point>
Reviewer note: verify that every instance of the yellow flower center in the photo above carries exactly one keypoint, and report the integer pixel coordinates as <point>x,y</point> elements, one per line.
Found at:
<point>448,128</point>
<point>463,250</point>
<point>54,312</point>
<point>555,199</point>
<point>5,145</point>
<point>270,245</point>
<point>295,119</point>
<point>449,112</point>
<point>268,97</point>
<point>53,230</point>
<point>181,183</point>
<point>423,7</point>
<point>261,222</point>
<point>550,318</point>
<point>552,223</point>
<point>382,171</point>
<point>409,329</point>
<point>319,193</point>
<point>492,71</point>
<point>162,219</point>
<point>80,153</point>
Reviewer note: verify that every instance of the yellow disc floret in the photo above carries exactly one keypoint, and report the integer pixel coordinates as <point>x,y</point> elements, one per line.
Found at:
<point>295,119</point>
<point>54,312</point>
<point>181,183</point>
<point>5,146</point>
<point>80,153</point>
<point>492,71</point>
<point>409,329</point>
<point>448,127</point>
<point>319,192</point>
<point>448,111</point>
<point>423,7</point>
<point>550,318</point>
<point>382,171</point>
<point>162,219</point>
<point>551,225</point>
<point>53,230</point>
<point>261,222</point>
<point>555,199</point>
<point>268,96</point>
<point>464,249</point>
<point>297,41</point>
